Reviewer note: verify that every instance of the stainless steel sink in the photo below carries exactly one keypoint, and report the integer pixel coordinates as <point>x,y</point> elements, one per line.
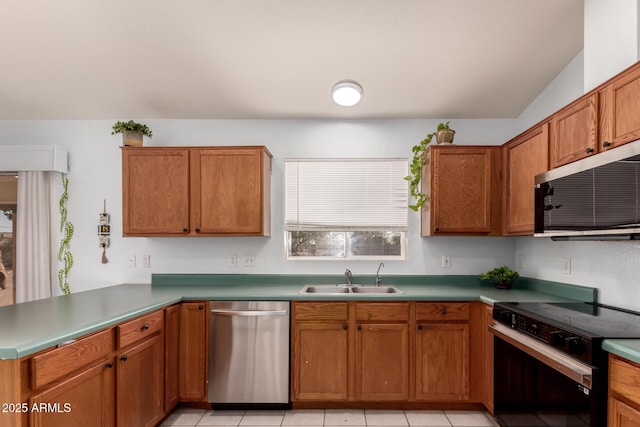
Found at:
<point>349,289</point>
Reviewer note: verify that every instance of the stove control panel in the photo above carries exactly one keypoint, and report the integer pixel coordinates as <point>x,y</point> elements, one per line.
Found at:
<point>555,336</point>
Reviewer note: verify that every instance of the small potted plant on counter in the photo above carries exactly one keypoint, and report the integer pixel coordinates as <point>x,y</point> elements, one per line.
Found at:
<point>132,132</point>
<point>502,277</point>
<point>444,135</point>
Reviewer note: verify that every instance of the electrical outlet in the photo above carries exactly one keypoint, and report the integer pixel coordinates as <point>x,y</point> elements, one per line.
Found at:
<point>146,261</point>
<point>446,261</point>
<point>520,261</point>
<point>131,261</point>
<point>567,265</point>
<point>249,260</point>
<point>232,260</point>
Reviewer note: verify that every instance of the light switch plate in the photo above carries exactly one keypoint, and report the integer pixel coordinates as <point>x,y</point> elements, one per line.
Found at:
<point>446,261</point>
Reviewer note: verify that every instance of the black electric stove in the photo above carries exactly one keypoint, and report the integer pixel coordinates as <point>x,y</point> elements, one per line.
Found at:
<point>549,362</point>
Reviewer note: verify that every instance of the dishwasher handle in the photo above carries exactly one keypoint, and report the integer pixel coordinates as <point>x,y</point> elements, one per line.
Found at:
<point>249,313</point>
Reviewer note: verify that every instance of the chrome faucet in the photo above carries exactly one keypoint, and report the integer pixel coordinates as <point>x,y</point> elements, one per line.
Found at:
<point>349,276</point>
<point>378,278</point>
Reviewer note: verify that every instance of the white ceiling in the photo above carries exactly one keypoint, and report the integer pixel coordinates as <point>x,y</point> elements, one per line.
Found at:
<point>269,59</point>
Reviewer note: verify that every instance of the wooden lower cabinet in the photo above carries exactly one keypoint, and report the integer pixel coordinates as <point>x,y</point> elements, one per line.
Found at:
<point>194,318</point>
<point>171,357</point>
<point>140,384</point>
<point>382,362</point>
<point>442,365</point>
<point>86,399</point>
<point>320,361</point>
<point>624,393</point>
<point>401,353</point>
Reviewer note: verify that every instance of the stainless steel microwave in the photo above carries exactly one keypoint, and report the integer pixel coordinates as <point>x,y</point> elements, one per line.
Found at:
<point>597,198</point>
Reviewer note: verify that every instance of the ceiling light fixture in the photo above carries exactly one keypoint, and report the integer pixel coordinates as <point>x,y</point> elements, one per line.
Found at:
<point>346,93</point>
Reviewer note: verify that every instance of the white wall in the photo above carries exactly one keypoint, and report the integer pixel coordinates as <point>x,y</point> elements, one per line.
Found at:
<point>95,175</point>
<point>613,267</point>
<point>611,38</point>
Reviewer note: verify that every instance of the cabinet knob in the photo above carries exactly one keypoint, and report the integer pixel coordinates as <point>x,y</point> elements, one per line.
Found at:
<point>589,150</point>
<point>124,357</point>
<point>359,327</point>
<point>344,327</point>
<point>444,311</point>
<point>184,230</point>
<point>145,327</point>
<point>197,230</point>
<point>419,327</point>
<point>606,144</point>
<point>200,307</point>
<point>109,365</point>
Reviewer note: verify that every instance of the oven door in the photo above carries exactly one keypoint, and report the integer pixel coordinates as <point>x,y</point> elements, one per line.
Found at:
<point>537,385</point>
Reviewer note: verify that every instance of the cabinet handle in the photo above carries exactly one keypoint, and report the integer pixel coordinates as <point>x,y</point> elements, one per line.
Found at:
<point>109,365</point>
<point>359,327</point>
<point>606,144</point>
<point>124,357</point>
<point>184,230</point>
<point>145,327</point>
<point>344,327</point>
<point>200,307</point>
<point>419,327</point>
<point>197,230</point>
<point>589,150</point>
<point>444,311</point>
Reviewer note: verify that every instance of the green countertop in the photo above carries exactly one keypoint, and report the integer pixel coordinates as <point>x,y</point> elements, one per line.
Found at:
<point>628,349</point>
<point>30,327</point>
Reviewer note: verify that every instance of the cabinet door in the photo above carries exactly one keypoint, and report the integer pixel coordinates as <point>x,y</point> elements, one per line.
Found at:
<point>86,399</point>
<point>574,132</point>
<point>442,362</point>
<point>488,359</point>
<point>155,191</point>
<point>171,357</point>
<point>460,191</point>
<point>320,361</point>
<point>139,386</point>
<point>193,351</point>
<point>525,158</point>
<point>228,194</point>
<point>382,362</point>
<point>622,415</point>
<point>620,110</point>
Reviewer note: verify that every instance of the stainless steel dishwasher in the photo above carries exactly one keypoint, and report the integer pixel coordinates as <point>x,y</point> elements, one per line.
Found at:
<point>249,353</point>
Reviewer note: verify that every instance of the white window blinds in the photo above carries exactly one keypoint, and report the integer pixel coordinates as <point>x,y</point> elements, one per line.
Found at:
<point>347,194</point>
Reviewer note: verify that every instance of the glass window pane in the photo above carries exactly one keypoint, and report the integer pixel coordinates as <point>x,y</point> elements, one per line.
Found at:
<point>317,244</point>
<point>375,243</point>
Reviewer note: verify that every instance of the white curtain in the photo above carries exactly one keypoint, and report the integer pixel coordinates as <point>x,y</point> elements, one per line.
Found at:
<point>33,236</point>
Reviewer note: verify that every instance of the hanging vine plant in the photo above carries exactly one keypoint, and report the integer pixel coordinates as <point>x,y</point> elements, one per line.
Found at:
<point>66,228</point>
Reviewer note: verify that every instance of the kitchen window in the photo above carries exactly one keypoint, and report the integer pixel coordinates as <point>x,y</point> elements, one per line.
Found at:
<point>346,208</point>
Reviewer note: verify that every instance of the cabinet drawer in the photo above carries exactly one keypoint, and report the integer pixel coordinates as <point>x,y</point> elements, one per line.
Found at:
<point>57,363</point>
<point>382,311</point>
<point>624,378</point>
<point>139,328</point>
<point>337,311</point>
<point>426,311</point>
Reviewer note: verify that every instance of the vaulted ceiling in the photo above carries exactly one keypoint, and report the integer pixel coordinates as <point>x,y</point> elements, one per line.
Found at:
<point>278,59</point>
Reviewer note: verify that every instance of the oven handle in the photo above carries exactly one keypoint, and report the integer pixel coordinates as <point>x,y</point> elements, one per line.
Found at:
<point>579,372</point>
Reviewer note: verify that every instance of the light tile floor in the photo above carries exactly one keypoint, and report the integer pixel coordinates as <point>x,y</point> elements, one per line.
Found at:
<point>191,417</point>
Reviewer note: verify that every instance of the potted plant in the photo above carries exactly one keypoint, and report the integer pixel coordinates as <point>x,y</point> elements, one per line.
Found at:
<point>420,159</point>
<point>132,132</point>
<point>444,134</point>
<point>502,277</point>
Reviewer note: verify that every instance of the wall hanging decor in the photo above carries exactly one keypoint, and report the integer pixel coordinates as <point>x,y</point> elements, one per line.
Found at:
<point>104,231</point>
<point>66,227</point>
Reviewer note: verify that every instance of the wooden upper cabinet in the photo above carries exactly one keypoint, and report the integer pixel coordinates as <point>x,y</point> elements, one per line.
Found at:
<point>464,186</point>
<point>574,131</point>
<point>229,191</point>
<point>192,191</point>
<point>620,110</point>
<point>155,191</point>
<point>524,157</point>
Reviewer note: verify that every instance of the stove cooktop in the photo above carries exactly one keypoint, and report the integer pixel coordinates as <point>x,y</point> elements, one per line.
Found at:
<point>593,320</point>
